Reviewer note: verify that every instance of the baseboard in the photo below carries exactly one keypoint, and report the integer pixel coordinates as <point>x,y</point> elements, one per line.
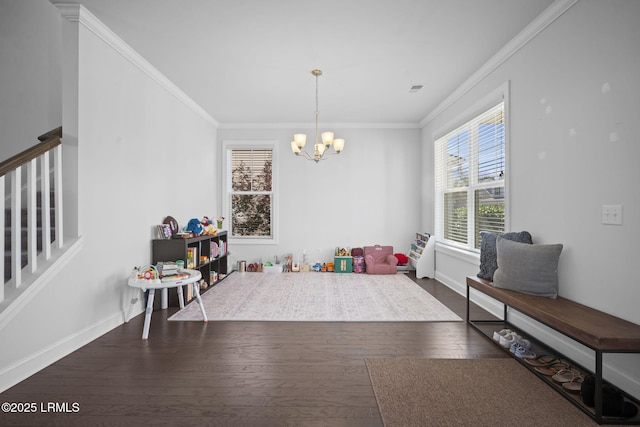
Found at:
<point>451,283</point>
<point>23,369</point>
<point>616,373</point>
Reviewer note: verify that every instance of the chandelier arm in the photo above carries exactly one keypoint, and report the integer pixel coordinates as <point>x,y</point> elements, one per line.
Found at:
<point>305,155</point>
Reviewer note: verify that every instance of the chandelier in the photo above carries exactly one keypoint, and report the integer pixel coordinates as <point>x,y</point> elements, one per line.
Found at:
<point>320,149</point>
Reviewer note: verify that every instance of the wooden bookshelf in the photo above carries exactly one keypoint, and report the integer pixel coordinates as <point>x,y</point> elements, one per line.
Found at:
<point>207,254</point>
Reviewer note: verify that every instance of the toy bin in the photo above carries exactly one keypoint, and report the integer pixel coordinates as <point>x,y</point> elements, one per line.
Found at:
<point>358,264</point>
<point>343,264</point>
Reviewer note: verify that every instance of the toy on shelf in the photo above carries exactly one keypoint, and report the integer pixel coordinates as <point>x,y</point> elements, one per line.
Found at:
<point>164,231</point>
<point>194,227</point>
<point>172,223</point>
<point>207,227</point>
<point>342,251</point>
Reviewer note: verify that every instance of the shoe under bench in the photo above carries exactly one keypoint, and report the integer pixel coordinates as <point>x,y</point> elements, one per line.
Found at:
<point>599,331</point>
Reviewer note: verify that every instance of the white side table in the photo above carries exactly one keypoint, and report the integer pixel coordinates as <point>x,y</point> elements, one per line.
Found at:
<point>152,285</point>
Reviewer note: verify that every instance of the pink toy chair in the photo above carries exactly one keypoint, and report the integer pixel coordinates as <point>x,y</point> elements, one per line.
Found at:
<point>380,260</point>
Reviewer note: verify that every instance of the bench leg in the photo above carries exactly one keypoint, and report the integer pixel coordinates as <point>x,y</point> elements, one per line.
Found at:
<point>504,308</point>
<point>598,386</point>
<point>468,302</point>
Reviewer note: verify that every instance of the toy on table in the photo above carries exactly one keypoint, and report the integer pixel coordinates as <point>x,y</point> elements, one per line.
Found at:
<point>148,273</point>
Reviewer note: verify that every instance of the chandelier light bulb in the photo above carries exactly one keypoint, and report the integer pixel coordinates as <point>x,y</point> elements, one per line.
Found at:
<point>327,138</point>
<point>300,139</point>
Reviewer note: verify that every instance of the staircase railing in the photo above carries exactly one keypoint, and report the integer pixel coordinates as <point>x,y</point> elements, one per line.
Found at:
<point>31,193</point>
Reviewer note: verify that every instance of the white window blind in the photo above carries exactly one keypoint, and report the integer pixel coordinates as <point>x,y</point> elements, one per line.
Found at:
<point>250,203</point>
<point>470,179</point>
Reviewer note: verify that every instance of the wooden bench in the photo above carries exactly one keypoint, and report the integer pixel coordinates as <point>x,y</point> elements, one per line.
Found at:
<point>599,331</point>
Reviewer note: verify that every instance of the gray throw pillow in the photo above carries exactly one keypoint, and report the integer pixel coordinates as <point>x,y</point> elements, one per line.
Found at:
<point>488,258</point>
<point>529,269</point>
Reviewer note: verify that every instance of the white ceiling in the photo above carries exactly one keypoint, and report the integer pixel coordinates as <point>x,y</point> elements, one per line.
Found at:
<point>249,61</point>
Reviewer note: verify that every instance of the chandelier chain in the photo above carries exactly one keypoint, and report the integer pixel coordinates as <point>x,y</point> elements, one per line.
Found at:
<point>317,111</point>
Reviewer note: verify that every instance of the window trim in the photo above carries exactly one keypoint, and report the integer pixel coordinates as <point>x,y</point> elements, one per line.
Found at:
<point>229,145</point>
<point>500,94</point>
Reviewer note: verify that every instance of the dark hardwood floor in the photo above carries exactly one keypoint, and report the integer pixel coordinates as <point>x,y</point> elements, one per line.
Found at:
<point>236,373</point>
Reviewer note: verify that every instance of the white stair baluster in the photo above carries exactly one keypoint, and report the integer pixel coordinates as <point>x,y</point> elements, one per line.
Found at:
<point>45,188</point>
<point>2,226</point>
<point>32,216</point>
<point>16,225</point>
<point>57,166</point>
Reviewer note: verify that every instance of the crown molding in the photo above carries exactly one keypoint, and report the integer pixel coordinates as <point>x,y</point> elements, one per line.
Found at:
<point>311,125</point>
<point>548,16</point>
<point>78,13</point>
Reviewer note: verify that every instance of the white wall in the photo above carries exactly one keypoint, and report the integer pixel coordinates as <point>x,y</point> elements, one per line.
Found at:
<point>574,126</point>
<point>368,194</point>
<point>31,81</point>
<point>143,153</point>
<point>134,140</point>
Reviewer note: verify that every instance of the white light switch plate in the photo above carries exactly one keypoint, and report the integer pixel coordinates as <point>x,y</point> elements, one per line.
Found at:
<point>612,214</point>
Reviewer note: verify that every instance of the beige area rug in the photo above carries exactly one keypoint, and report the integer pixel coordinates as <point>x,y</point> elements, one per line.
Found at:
<point>318,297</point>
<point>467,392</point>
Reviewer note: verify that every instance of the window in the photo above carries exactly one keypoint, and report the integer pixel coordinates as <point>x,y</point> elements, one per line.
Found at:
<point>470,179</point>
<point>250,193</point>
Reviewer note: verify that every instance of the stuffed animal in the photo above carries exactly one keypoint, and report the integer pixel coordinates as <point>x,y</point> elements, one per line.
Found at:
<point>207,227</point>
<point>194,227</point>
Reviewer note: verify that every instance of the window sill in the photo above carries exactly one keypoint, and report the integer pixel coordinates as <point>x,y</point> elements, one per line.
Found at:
<point>470,256</point>
<point>239,242</point>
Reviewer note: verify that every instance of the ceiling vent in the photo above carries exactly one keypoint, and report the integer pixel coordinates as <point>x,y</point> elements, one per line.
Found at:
<point>415,88</point>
